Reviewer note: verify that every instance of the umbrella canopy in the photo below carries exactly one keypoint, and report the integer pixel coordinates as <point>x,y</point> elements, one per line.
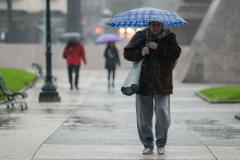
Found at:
<point>142,16</point>
<point>107,38</point>
<point>70,36</point>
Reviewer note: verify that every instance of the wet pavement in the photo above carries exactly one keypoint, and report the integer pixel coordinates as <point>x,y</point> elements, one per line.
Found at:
<point>94,123</point>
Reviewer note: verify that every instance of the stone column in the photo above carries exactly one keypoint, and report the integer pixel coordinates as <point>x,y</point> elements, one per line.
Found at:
<point>214,55</point>
<point>193,11</point>
<point>74,16</point>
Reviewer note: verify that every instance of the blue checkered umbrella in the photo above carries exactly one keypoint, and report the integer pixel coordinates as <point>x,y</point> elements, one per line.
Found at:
<point>142,16</point>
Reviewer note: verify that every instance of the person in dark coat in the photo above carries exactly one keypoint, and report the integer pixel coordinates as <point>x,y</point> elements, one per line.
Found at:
<point>160,51</point>
<point>111,60</point>
<point>74,54</point>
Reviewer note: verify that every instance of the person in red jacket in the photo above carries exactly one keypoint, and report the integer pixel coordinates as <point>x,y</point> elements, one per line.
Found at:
<point>74,54</point>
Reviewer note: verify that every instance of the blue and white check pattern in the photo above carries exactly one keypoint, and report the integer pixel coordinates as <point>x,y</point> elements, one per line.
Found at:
<point>142,16</point>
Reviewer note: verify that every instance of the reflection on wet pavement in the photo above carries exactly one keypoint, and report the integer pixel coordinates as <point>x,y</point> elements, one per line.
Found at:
<point>213,128</point>
<point>7,122</point>
<point>85,122</point>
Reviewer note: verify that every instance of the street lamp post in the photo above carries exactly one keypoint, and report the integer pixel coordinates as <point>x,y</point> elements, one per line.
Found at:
<point>49,92</point>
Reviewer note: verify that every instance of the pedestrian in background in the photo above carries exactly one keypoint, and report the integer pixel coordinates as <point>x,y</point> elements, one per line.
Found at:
<point>160,51</point>
<point>74,53</point>
<point>111,60</point>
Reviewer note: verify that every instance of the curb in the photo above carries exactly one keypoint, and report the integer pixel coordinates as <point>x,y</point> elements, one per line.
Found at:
<point>215,101</point>
<point>237,116</point>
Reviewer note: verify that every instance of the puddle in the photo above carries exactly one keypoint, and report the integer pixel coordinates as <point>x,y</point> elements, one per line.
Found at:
<point>84,122</point>
<point>7,123</point>
<point>213,128</point>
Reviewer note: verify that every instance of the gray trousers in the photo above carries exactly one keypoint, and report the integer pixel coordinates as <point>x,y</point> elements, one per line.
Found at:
<point>145,105</point>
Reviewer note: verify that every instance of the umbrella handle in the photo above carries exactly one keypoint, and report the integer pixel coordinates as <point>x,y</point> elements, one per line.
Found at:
<point>146,37</point>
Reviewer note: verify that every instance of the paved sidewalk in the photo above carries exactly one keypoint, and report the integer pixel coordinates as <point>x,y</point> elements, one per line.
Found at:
<point>94,123</point>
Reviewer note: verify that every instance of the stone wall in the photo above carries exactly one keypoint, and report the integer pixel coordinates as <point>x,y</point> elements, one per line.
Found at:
<point>23,55</point>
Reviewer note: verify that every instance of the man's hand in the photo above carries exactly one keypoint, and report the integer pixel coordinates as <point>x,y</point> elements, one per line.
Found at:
<point>152,45</point>
<point>145,51</point>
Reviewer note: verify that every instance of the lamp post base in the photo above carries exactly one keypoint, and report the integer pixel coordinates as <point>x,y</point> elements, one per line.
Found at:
<point>49,94</point>
<point>47,98</point>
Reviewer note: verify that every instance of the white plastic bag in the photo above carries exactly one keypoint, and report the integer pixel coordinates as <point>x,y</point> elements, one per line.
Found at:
<point>131,83</point>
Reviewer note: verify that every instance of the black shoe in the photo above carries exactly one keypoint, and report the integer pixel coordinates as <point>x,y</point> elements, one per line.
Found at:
<point>71,88</point>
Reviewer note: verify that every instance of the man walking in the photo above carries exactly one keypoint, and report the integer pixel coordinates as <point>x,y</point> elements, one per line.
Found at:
<point>160,51</point>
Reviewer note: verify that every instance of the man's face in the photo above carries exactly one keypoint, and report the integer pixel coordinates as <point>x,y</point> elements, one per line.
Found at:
<point>155,27</point>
